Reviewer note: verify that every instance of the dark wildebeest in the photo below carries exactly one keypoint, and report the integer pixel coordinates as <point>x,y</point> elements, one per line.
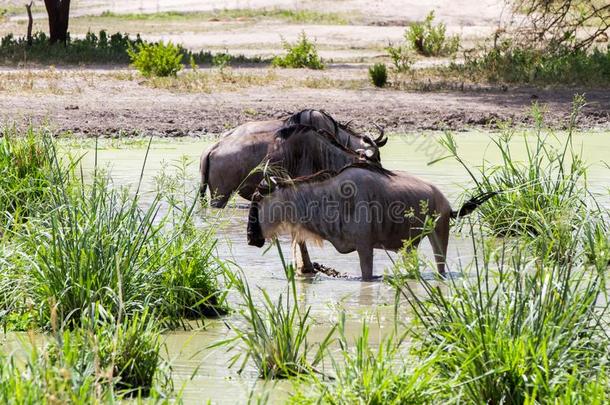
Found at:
<point>299,151</point>
<point>360,208</point>
<point>226,165</point>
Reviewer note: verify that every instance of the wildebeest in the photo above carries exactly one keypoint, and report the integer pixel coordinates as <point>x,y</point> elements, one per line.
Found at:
<point>226,165</point>
<point>360,208</point>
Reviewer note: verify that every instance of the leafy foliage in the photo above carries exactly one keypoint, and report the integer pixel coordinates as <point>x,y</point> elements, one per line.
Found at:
<point>301,54</point>
<point>158,59</point>
<point>431,40</point>
<point>401,58</point>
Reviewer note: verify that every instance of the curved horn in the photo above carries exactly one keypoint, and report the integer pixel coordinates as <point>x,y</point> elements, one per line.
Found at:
<point>381,139</point>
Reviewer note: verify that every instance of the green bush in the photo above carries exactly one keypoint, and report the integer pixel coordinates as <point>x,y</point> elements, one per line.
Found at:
<point>158,59</point>
<point>401,58</point>
<point>378,74</point>
<point>431,40</point>
<point>302,54</point>
<point>93,49</point>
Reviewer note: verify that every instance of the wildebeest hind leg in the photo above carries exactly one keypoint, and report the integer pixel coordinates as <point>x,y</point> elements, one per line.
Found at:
<point>439,239</point>
<point>300,255</point>
<point>366,262</point>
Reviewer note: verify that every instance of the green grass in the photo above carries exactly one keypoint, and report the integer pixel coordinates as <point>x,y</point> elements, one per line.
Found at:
<point>364,375</point>
<point>543,197</point>
<point>93,244</point>
<point>512,64</point>
<point>288,15</point>
<point>515,329</point>
<point>25,170</point>
<point>102,361</point>
<point>275,338</point>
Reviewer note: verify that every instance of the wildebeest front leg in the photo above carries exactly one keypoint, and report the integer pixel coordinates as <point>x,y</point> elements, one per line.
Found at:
<point>300,255</point>
<point>366,262</point>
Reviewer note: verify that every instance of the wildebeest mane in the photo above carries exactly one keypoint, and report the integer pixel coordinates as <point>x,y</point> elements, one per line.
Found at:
<point>288,131</point>
<point>304,117</point>
<point>368,166</point>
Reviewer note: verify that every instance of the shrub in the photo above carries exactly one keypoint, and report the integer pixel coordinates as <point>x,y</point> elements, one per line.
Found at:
<point>156,59</point>
<point>516,329</point>
<point>378,74</point>
<point>519,64</point>
<point>302,54</point>
<point>430,40</point>
<point>276,335</point>
<point>400,58</point>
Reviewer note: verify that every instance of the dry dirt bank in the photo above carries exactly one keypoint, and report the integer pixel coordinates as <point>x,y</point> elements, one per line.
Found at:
<point>101,105</point>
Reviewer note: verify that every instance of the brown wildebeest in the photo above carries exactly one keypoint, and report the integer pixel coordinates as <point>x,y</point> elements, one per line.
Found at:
<point>226,165</point>
<point>360,208</point>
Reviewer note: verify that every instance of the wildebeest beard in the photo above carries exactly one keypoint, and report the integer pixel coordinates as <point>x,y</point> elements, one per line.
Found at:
<point>254,232</point>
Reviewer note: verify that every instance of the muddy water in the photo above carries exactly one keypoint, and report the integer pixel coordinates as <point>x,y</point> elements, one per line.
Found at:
<point>204,373</point>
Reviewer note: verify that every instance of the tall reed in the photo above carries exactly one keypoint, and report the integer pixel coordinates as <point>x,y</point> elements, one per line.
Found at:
<point>516,329</point>
<point>275,338</point>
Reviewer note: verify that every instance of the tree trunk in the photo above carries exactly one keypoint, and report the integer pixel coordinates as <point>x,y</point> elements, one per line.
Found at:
<point>28,7</point>
<point>59,14</point>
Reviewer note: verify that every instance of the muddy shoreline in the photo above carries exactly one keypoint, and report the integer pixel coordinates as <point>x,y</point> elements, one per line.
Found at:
<point>161,113</point>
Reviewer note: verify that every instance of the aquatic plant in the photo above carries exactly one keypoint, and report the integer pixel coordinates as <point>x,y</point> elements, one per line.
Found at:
<point>517,329</point>
<point>544,197</point>
<point>104,360</point>
<point>275,337</point>
<point>25,174</point>
<point>364,375</point>
<point>95,244</point>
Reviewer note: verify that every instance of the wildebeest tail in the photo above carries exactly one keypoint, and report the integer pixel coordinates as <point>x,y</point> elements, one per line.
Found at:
<point>473,204</point>
<point>204,168</point>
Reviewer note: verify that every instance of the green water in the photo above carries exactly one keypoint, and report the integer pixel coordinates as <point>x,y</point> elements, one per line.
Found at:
<point>204,373</point>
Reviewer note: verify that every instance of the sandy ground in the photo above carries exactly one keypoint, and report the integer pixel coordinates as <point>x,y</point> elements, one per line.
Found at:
<point>94,103</point>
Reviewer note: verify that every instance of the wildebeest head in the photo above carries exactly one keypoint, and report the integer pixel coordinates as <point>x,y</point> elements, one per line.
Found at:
<point>255,232</point>
<point>321,120</point>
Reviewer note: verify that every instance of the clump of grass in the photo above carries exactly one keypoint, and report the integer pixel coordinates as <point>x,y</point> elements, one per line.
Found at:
<point>94,244</point>
<point>25,175</point>
<point>517,330</point>
<point>544,188</point>
<point>378,74</point>
<point>366,376</point>
<point>276,336</point>
<point>301,54</point>
<point>431,40</point>
<point>101,361</point>
<point>158,59</point>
